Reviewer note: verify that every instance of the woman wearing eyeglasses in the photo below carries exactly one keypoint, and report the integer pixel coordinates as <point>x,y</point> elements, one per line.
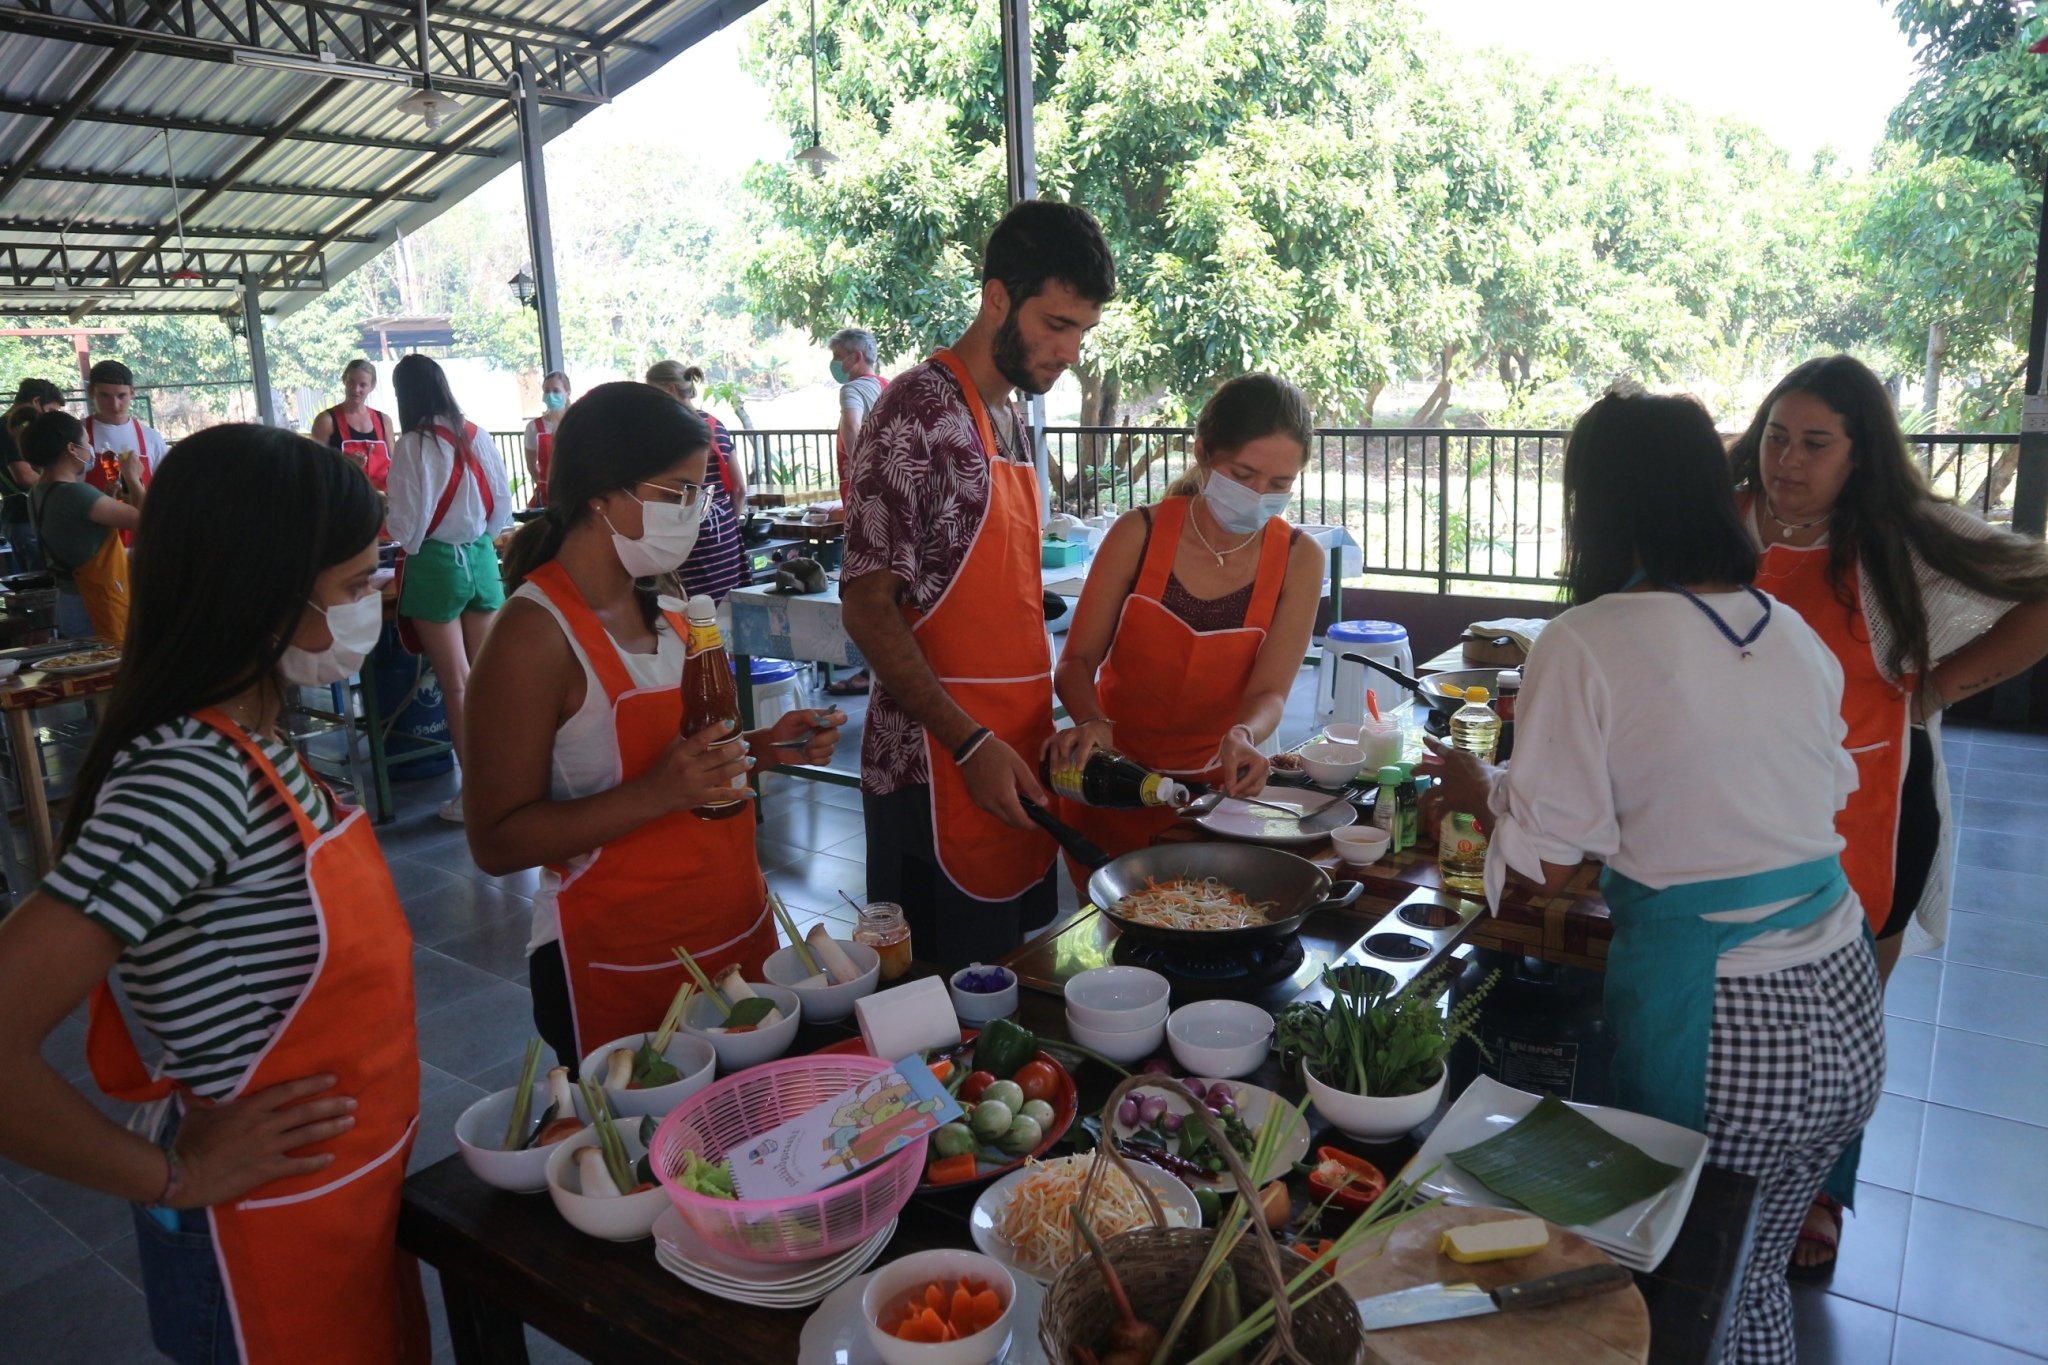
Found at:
<point>576,706</point>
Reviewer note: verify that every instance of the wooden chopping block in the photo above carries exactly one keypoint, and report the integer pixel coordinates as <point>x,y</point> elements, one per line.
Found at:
<point>1481,652</point>
<point>1608,1329</point>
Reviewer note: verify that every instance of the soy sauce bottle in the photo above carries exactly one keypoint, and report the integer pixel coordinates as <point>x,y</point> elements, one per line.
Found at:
<point>1113,782</point>
<point>710,697</point>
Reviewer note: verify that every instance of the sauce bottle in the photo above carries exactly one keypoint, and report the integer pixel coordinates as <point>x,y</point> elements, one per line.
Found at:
<point>1509,684</point>
<point>1461,848</point>
<point>883,928</point>
<point>710,696</point>
<point>1409,795</point>
<point>1113,782</point>
<point>1386,806</point>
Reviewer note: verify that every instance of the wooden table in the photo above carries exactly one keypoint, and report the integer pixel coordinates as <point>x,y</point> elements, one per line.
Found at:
<point>21,696</point>
<point>507,1260</point>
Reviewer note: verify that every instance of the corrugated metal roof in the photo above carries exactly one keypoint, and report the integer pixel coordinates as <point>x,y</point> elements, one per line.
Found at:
<point>269,162</point>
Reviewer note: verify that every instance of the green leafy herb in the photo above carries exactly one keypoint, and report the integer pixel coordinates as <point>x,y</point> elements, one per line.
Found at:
<point>1561,1165</point>
<point>1368,1042</point>
<point>749,1013</point>
<point>650,1068</point>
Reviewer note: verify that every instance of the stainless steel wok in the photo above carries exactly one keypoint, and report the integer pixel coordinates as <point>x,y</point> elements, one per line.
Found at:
<point>1432,688</point>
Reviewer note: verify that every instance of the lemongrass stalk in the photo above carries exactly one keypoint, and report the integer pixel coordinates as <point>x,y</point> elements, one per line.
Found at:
<point>522,1098</point>
<point>704,983</point>
<point>616,1159</point>
<point>796,940</point>
<point>674,1017</point>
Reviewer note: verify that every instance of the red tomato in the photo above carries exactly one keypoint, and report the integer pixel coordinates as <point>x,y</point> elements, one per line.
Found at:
<point>1038,1081</point>
<point>976,1082</point>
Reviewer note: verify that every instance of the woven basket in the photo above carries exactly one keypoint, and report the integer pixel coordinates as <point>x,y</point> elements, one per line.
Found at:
<point>1157,1264</point>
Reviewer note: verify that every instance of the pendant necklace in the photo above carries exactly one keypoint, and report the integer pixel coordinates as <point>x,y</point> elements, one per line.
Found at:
<point>1741,642</point>
<point>1783,524</point>
<point>1196,524</point>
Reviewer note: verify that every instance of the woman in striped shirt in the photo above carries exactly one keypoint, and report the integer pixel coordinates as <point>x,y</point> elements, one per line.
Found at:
<point>717,562</point>
<point>250,924</point>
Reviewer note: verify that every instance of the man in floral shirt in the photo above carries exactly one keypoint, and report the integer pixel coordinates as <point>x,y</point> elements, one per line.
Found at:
<point>943,596</point>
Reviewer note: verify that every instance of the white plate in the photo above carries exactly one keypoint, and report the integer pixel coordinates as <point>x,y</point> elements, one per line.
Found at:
<point>1233,819</point>
<point>1638,1236</point>
<point>1252,1104</point>
<point>1173,1196</point>
<point>677,1241</point>
<point>796,1297</point>
<point>79,670</point>
<point>836,1335</point>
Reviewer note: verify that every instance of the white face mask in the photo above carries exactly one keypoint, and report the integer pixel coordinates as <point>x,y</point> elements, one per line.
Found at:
<point>1237,509</point>
<point>667,535</point>
<point>355,627</point>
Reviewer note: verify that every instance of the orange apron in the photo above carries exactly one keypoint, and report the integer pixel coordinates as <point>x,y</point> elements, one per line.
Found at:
<point>375,452</point>
<point>1173,692</point>
<point>102,581</point>
<point>1879,713</point>
<point>997,672</point>
<point>311,1263</point>
<point>543,457</point>
<point>680,881</point>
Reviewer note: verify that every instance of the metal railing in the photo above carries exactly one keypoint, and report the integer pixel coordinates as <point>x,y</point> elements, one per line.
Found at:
<point>1453,507</point>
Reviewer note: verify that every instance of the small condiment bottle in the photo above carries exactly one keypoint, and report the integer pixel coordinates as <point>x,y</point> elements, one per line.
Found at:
<point>883,928</point>
<point>1410,805</point>
<point>1386,807</point>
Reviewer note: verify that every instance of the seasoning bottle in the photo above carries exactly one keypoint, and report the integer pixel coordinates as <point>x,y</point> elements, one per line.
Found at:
<point>1113,782</point>
<point>1461,847</point>
<point>883,928</point>
<point>710,697</point>
<point>1386,806</point>
<point>1508,688</point>
<point>1409,795</point>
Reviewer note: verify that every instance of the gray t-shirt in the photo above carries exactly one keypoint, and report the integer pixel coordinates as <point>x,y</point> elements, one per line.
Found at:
<point>857,396</point>
<point>63,518</point>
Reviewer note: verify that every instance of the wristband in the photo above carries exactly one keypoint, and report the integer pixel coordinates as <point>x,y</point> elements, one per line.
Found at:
<point>1251,740</point>
<point>1095,720</point>
<point>970,744</point>
<point>174,1180</point>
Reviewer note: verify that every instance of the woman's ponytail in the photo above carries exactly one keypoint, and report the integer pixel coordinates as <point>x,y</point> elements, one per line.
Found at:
<point>532,545</point>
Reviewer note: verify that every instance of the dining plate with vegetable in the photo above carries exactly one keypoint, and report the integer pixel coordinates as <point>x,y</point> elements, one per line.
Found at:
<point>1025,1220</point>
<point>1151,1127</point>
<point>1019,1102</point>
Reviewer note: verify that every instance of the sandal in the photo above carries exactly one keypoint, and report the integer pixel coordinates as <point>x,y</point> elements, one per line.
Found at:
<point>1832,1207</point>
<point>855,686</point>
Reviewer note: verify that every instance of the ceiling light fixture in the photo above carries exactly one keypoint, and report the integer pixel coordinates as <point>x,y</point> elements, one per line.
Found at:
<point>815,156</point>
<point>326,64</point>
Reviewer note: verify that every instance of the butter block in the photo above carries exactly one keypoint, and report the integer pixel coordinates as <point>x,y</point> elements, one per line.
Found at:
<point>1475,1242</point>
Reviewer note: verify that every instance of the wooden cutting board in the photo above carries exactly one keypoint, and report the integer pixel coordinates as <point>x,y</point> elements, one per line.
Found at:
<point>1610,1329</point>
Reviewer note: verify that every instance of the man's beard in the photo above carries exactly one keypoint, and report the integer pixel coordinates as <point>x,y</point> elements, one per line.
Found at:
<point>1011,358</point>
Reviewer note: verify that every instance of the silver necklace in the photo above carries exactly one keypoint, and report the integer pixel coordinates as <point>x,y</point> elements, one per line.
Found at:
<point>1783,524</point>
<point>1196,523</point>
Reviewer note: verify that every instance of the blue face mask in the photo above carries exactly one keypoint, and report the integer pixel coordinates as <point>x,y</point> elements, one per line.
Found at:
<point>554,400</point>
<point>1237,509</point>
<point>839,374</point>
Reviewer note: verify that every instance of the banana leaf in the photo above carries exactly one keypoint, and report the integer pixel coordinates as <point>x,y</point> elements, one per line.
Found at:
<point>1560,1165</point>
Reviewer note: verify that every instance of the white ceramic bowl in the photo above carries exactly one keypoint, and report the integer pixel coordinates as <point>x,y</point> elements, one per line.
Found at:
<point>1330,764</point>
<point>824,1004</point>
<point>1362,845</point>
<point>687,1053</point>
<point>900,1278</point>
<point>1133,1045</point>
<point>737,1051</point>
<point>625,1219</point>
<point>1221,1038</point>
<point>1117,999</point>
<point>482,1127</point>
<point>978,1007</point>
<point>1372,1118</point>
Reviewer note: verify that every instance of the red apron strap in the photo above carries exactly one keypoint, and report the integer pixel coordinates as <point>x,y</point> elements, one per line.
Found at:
<point>1273,556</point>
<point>1164,545</point>
<point>377,425</point>
<point>554,583</point>
<point>459,467</point>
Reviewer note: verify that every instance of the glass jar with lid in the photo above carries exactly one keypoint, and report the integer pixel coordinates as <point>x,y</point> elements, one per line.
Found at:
<point>883,928</point>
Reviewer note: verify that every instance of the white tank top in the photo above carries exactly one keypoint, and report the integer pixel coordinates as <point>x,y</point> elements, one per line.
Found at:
<point>586,757</point>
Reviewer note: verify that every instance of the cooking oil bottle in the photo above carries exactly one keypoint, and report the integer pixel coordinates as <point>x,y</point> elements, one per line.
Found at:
<point>1460,847</point>
<point>710,696</point>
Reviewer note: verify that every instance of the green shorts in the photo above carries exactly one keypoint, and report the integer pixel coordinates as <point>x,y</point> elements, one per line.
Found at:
<point>443,581</point>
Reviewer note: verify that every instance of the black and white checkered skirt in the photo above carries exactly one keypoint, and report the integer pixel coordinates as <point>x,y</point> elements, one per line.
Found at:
<point>1793,1072</point>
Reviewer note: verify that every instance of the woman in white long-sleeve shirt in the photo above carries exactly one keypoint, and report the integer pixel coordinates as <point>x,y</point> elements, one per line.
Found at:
<point>1686,729</point>
<point>449,499</point>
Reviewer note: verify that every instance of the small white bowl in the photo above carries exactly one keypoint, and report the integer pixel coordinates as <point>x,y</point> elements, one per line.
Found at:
<point>1373,1118</point>
<point>1362,845</point>
<point>896,1281</point>
<point>691,1055</point>
<point>1225,1039</point>
<point>979,1007</point>
<point>1117,999</point>
<point>1134,1045</point>
<point>824,1004</point>
<point>482,1127</point>
<point>625,1219</point>
<point>1330,764</point>
<point>738,1051</point>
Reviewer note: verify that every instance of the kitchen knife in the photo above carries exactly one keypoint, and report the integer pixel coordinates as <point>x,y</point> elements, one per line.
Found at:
<point>1439,1302</point>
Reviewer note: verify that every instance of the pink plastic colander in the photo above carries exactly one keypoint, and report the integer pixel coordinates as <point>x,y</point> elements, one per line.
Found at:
<point>802,1227</point>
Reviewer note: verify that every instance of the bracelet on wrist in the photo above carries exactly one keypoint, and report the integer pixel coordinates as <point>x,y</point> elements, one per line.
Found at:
<point>174,1179</point>
<point>970,744</point>
<point>1095,720</point>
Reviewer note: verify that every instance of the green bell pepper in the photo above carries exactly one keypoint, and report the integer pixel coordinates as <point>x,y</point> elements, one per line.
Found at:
<point>1003,1047</point>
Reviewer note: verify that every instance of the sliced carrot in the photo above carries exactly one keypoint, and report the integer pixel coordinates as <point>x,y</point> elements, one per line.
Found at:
<point>942,1069</point>
<point>935,1298</point>
<point>961,1310</point>
<point>952,1169</point>
<point>986,1307</point>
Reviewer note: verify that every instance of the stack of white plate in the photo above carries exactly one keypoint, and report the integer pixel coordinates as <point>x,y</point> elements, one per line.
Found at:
<point>769,1284</point>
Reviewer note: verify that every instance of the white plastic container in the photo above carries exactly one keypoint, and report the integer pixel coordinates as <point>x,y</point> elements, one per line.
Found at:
<point>1341,685</point>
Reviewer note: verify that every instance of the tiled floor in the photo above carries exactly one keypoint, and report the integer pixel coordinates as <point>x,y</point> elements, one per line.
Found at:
<point>1944,1263</point>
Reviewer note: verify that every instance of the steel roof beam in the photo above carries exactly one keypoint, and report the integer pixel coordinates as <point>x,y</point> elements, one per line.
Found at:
<point>460,59</point>
<point>121,308</point>
<point>31,264</point>
<point>61,116</point>
<point>30,109</point>
<point>225,185</point>
<point>80,228</point>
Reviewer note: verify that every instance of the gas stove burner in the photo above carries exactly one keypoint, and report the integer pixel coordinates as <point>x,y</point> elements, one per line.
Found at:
<point>1197,975</point>
<point>1437,723</point>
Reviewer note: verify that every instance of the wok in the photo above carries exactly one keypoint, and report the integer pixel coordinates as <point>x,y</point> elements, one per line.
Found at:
<point>1294,886</point>
<point>1430,689</point>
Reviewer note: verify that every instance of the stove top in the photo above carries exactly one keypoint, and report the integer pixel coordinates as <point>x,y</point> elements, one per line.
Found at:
<point>1280,969</point>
